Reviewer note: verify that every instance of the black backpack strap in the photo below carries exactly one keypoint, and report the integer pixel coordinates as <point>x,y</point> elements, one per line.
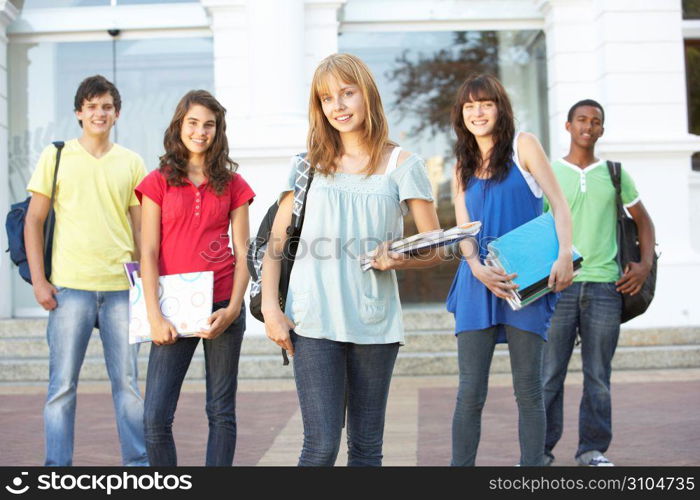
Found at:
<point>51,218</point>
<point>59,147</point>
<point>615,170</point>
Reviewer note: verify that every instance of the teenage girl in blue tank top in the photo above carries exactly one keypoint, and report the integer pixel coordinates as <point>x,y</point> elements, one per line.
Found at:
<point>500,178</point>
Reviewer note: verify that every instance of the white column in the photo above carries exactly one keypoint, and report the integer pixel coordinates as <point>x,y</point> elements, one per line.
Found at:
<point>258,73</point>
<point>8,13</point>
<point>572,64</point>
<point>321,38</point>
<point>629,56</point>
<point>261,73</point>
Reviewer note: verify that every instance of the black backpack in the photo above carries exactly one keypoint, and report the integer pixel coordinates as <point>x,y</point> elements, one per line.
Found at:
<point>14,225</point>
<point>628,251</point>
<point>258,247</point>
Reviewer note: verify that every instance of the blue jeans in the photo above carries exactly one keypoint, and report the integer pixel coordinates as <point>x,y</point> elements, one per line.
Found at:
<point>323,371</point>
<point>475,352</point>
<point>592,309</point>
<point>69,329</point>
<point>167,366</point>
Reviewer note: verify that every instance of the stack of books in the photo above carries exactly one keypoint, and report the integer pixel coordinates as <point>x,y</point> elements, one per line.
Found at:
<point>424,241</point>
<point>529,250</point>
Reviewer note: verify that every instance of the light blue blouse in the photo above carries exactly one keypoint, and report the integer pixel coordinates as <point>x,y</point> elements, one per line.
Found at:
<point>347,215</point>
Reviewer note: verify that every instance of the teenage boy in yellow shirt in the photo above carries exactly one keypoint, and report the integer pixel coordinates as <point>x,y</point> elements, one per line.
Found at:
<point>97,229</point>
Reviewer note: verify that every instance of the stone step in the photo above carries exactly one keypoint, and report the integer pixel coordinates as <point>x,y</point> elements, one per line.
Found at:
<point>429,317</point>
<point>408,363</point>
<point>417,320</point>
<point>416,342</point>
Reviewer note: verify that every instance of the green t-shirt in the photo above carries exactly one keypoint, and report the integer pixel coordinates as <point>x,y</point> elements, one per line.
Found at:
<point>591,197</point>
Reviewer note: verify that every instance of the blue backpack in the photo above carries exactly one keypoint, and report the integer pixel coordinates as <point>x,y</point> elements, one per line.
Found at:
<point>14,225</point>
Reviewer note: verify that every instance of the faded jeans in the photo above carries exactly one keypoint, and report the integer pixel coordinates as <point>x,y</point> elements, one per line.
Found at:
<point>69,329</point>
<point>592,309</point>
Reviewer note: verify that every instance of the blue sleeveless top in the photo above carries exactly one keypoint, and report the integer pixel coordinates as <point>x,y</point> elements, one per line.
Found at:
<point>500,206</point>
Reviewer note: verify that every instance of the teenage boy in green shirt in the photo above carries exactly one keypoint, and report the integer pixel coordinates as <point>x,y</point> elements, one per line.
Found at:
<point>97,230</point>
<point>592,305</point>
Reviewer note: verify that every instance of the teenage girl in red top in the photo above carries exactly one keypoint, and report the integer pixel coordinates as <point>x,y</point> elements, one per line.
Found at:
<point>188,205</point>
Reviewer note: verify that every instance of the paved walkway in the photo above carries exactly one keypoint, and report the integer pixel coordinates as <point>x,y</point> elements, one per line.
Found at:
<point>655,419</point>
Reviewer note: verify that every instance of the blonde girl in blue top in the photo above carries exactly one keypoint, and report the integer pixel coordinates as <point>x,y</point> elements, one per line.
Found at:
<point>346,323</point>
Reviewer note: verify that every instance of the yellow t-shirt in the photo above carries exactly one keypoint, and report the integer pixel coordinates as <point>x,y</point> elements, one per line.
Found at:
<point>92,236</point>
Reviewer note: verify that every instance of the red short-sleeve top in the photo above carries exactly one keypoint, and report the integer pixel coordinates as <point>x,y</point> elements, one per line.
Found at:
<point>194,227</point>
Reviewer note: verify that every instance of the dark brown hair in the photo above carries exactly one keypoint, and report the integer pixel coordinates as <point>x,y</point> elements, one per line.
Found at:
<point>218,167</point>
<point>94,86</point>
<point>469,159</point>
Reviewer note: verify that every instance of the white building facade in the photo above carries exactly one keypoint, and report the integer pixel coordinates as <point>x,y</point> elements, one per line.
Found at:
<point>258,57</point>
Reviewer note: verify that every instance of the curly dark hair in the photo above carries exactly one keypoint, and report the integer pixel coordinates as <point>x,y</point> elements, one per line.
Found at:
<point>469,159</point>
<point>218,167</point>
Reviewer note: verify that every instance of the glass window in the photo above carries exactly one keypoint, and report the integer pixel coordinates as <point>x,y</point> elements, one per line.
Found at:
<point>418,74</point>
<point>45,4</point>
<point>692,75</point>
<point>52,4</point>
<point>146,2</point>
<point>43,78</point>
<point>691,9</point>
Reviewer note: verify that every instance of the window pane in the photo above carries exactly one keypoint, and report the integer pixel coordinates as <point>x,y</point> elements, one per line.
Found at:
<point>418,74</point>
<point>43,78</point>
<point>692,75</point>
<point>146,2</point>
<point>691,9</point>
<point>48,4</point>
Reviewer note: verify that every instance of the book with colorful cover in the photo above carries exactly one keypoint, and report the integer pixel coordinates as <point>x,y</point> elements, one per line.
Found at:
<point>185,300</point>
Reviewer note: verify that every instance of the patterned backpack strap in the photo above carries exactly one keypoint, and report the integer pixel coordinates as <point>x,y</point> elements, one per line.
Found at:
<point>302,182</point>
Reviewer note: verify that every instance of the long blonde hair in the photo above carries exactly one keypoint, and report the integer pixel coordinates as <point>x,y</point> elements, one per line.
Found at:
<point>323,141</point>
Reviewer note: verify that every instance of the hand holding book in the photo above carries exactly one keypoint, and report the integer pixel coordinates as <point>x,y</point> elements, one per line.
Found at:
<point>531,253</point>
<point>495,279</point>
<point>414,245</point>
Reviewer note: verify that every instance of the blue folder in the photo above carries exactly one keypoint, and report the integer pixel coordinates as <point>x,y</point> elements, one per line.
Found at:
<point>529,251</point>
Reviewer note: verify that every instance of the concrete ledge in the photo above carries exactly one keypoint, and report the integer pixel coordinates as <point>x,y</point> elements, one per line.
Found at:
<point>259,366</point>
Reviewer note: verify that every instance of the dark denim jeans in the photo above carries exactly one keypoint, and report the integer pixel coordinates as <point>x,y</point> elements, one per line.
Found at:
<point>167,366</point>
<point>475,352</point>
<point>592,309</point>
<point>323,370</point>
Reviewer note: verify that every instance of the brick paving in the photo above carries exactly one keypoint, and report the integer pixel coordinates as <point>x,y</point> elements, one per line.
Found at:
<point>654,424</point>
<point>260,415</point>
<point>655,417</point>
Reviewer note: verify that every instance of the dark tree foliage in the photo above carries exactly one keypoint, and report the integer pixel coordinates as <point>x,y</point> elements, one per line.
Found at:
<point>691,9</point>
<point>427,84</point>
<point>692,74</point>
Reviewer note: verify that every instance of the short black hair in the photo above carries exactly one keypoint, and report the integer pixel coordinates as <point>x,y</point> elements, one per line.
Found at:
<point>94,86</point>
<point>585,102</point>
